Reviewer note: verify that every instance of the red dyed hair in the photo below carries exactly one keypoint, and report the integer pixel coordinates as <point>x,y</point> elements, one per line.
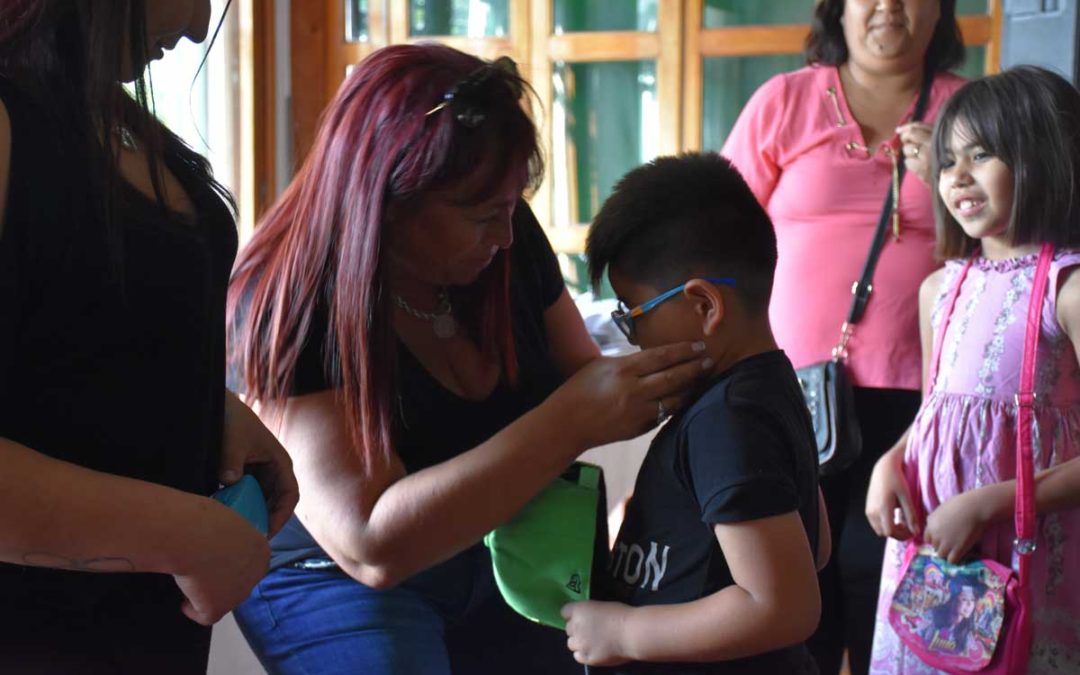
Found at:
<point>323,240</point>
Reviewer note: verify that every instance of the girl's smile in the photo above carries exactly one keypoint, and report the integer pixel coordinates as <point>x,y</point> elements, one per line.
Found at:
<point>977,188</point>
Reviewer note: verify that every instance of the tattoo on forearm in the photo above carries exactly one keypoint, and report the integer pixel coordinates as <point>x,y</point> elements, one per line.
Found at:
<point>88,565</point>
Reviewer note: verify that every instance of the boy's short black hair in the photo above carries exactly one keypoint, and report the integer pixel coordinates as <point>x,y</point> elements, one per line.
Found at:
<point>677,218</point>
<point>1029,118</point>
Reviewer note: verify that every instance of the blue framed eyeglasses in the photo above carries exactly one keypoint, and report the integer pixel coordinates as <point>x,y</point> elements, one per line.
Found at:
<point>624,317</point>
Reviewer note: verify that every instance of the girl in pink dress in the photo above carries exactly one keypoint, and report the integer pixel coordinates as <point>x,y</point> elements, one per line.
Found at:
<point>1007,160</point>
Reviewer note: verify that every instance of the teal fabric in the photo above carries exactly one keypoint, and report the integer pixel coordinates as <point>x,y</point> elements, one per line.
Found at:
<point>246,498</point>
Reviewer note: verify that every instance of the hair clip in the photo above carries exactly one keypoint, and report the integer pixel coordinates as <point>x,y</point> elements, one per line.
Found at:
<point>467,99</point>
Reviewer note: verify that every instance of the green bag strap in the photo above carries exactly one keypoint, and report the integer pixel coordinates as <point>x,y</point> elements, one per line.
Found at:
<point>589,475</point>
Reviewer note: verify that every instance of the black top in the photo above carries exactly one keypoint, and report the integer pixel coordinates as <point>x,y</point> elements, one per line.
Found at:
<point>433,424</point>
<point>744,450</point>
<point>118,370</point>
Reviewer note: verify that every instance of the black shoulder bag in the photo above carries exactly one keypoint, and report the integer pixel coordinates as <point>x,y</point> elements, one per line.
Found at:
<point>825,384</point>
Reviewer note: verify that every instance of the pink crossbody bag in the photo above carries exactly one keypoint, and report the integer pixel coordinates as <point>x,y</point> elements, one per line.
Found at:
<point>976,617</point>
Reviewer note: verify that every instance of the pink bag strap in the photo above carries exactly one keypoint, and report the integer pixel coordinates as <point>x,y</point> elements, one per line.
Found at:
<point>1024,513</point>
<point>911,470</point>
<point>950,305</point>
<point>1024,545</point>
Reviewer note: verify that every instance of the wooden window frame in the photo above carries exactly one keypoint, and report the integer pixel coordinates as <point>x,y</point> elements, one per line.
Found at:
<point>258,111</point>
<point>678,46</point>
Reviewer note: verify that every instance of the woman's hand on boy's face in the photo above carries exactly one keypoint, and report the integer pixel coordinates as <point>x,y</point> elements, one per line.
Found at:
<point>594,632</point>
<point>955,526</point>
<point>616,398</point>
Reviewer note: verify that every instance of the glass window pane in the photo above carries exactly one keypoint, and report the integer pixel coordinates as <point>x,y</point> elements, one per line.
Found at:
<point>204,114</point>
<point>720,13</point>
<point>728,83</point>
<point>598,15</point>
<point>356,20</point>
<point>604,117</point>
<point>974,62</point>
<point>461,18</point>
<point>964,7</point>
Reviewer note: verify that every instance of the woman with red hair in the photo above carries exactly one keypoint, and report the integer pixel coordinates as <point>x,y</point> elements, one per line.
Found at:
<point>401,318</point>
<point>116,245</point>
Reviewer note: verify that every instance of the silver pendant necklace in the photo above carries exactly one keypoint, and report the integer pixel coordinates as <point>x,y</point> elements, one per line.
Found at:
<point>442,319</point>
<point>126,138</point>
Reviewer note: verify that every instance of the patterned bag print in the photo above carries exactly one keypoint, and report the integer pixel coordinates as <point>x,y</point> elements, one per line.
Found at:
<point>950,615</point>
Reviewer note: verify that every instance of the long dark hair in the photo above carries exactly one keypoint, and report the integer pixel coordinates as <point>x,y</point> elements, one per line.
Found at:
<point>946,615</point>
<point>322,242</point>
<point>1029,118</point>
<point>827,46</point>
<point>67,56</point>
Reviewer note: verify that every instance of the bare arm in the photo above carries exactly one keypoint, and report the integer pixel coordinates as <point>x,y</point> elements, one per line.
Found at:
<point>888,489</point>
<point>385,526</point>
<point>774,603</point>
<point>60,515</point>
<point>824,546</point>
<point>70,517</point>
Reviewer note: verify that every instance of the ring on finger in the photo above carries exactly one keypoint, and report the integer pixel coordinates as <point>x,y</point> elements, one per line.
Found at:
<point>662,413</point>
<point>916,151</point>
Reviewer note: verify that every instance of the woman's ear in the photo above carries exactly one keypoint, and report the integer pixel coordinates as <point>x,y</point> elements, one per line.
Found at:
<point>707,302</point>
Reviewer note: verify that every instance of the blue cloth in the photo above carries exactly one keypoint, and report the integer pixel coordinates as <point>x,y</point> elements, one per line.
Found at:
<point>447,619</point>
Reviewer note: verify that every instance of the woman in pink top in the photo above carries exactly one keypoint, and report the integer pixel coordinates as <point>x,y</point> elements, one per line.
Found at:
<point>818,146</point>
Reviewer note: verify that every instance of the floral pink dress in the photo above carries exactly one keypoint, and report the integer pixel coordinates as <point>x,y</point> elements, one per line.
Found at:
<point>964,437</point>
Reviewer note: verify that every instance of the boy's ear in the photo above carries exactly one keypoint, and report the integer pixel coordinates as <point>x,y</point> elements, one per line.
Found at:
<point>707,302</point>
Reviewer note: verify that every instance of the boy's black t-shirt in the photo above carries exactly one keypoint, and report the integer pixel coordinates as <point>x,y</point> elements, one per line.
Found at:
<point>744,450</point>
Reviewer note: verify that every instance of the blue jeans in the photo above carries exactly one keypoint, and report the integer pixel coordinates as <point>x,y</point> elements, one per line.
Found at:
<point>448,619</point>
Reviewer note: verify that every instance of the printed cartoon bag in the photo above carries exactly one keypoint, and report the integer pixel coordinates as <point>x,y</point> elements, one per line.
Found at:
<point>976,617</point>
<point>952,616</point>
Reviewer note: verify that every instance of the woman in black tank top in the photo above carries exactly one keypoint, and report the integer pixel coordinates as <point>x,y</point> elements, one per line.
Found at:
<point>115,426</point>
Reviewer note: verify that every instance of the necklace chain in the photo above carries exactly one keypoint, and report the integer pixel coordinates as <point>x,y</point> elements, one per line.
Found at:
<point>442,319</point>
<point>126,138</point>
<point>443,309</point>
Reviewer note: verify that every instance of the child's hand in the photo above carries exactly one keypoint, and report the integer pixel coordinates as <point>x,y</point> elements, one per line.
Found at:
<point>888,492</point>
<point>594,632</point>
<point>958,523</point>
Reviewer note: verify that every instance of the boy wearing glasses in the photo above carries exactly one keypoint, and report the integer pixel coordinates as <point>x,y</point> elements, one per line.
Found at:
<point>714,569</point>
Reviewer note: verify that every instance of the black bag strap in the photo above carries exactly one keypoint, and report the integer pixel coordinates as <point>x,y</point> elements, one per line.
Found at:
<point>863,287</point>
